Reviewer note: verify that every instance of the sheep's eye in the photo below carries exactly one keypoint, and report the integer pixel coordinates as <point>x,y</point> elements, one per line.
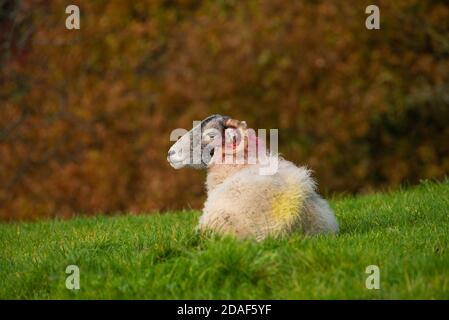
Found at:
<point>211,135</point>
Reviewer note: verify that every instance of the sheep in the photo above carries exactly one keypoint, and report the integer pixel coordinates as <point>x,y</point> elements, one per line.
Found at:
<point>242,202</point>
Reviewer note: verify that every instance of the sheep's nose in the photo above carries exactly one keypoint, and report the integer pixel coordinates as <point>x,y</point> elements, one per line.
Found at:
<point>170,153</point>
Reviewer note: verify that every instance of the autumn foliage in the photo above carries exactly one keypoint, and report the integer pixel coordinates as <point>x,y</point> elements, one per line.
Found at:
<point>86,114</point>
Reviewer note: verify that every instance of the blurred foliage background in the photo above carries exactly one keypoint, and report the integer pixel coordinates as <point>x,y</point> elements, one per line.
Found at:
<point>86,114</point>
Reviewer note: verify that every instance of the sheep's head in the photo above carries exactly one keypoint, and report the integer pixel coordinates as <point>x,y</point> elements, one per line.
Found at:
<point>196,148</point>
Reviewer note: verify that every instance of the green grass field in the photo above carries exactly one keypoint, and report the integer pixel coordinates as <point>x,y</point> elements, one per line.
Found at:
<point>405,233</point>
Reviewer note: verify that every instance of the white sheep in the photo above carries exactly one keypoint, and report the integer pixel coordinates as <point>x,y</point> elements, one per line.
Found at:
<point>241,201</point>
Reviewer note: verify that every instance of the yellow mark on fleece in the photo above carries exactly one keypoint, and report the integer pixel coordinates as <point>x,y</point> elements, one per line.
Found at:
<point>286,205</point>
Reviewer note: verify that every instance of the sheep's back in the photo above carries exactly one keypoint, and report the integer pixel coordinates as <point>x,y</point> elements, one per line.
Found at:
<point>249,204</point>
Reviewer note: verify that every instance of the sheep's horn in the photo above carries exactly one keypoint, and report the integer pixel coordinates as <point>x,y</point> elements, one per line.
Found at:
<point>233,123</point>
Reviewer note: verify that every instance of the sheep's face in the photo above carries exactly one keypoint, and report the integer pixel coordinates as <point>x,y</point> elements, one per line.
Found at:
<point>196,148</point>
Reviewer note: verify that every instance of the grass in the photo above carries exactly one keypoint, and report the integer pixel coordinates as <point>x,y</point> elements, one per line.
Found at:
<point>405,233</point>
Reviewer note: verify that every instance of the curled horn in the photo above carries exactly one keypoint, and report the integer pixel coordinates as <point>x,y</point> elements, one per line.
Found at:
<point>241,127</point>
<point>233,123</point>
